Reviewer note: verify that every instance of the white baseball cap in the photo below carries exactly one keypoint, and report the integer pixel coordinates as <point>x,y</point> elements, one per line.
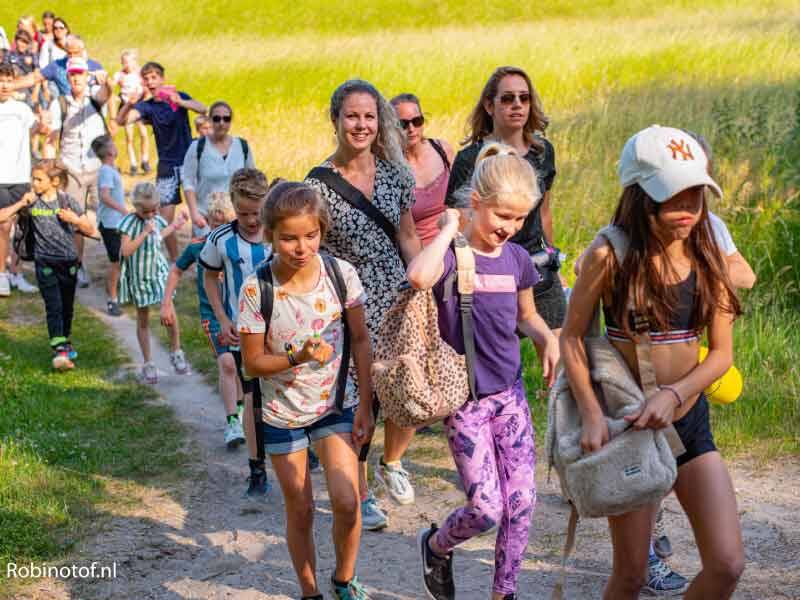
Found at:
<point>664,161</point>
<point>77,65</point>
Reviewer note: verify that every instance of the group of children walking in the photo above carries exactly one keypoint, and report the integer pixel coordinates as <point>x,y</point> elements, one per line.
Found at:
<point>285,320</point>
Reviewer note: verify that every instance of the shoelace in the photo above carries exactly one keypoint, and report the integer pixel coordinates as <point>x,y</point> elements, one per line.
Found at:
<point>355,591</point>
<point>660,572</point>
<point>399,476</point>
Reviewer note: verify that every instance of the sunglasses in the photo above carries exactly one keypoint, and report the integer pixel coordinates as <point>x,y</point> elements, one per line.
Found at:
<point>220,118</point>
<point>417,122</point>
<point>58,27</point>
<point>509,97</point>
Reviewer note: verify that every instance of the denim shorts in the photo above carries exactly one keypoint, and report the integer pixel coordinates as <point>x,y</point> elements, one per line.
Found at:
<point>286,441</point>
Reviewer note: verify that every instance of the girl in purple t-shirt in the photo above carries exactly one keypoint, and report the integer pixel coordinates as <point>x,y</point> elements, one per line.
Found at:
<point>491,438</point>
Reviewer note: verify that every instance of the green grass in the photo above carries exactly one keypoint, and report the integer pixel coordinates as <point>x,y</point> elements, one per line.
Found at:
<point>69,440</point>
<point>728,69</point>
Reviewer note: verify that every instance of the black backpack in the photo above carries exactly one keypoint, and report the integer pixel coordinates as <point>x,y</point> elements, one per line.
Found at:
<point>334,272</point>
<point>23,236</point>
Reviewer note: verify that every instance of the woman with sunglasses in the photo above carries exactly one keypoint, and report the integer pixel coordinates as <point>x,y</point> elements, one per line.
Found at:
<point>54,48</point>
<point>430,161</point>
<point>209,164</point>
<point>509,111</point>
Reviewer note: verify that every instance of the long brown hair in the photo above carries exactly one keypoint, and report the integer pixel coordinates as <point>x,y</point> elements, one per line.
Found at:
<point>480,123</point>
<point>639,282</point>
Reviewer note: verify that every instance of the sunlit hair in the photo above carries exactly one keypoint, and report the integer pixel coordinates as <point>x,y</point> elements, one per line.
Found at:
<point>220,203</point>
<point>54,169</point>
<point>250,184</point>
<point>101,146</point>
<point>290,199</point>
<point>388,144</point>
<point>144,195</point>
<point>219,104</point>
<point>501,175</point>
<point>7,70</point>
<point>403,98</point>
<point>480,123</point>
<point>74,39</point>
<point>201,120</point>
<point>638,280</point>
<point>130,52</point>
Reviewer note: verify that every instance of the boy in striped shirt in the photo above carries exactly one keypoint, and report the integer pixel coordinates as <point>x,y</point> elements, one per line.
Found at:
<point>236,249</point>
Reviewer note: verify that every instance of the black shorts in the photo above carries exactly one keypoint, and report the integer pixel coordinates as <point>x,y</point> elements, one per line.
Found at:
<point>248,385</point>
<point>694,429</point>
<point>11,193</point>
<point>551,303</point>
<point>112,240</point>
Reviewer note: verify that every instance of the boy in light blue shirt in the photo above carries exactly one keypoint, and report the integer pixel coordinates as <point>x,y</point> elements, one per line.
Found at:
<point>110,210</point>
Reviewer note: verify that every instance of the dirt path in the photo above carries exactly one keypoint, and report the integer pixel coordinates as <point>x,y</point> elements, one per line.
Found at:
<point>201,540</point>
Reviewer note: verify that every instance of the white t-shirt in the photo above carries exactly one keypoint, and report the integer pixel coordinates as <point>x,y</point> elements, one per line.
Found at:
<point>721,235</point>
<point>130,84</point>
<point>16,120</point>
<point>302,395</point>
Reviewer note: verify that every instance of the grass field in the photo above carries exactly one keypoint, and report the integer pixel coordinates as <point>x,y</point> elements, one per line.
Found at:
<point>727,69</point>
<point>70,443</point>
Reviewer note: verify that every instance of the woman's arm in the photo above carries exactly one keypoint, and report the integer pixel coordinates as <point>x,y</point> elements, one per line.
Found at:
<point>364,421</point>
<point>427,267</point>
<point>407,237</point>
<point>740,271</point>
<point>585,298</point>
<point>533,326</point>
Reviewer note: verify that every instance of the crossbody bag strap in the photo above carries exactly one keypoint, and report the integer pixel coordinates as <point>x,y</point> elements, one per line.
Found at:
<point>335,273</point>
<point>264,275</point>
<point>437,145</point>
<point>356,199</point>
<point>465,280</point>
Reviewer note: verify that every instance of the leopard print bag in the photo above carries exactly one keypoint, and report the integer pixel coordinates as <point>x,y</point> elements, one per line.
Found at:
<point>418,377</point>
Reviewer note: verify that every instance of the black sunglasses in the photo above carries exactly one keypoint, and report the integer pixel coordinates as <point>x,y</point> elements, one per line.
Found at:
<point>417,122</point>
<point>220,118</point>
<point>509,97</point>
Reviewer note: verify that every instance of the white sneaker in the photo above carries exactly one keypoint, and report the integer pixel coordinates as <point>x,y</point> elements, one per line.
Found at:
<point>17,280</point>
<point>178,360</point>
<point>149,373</point>
<point>234,435</point>
<point>83,277</point>
<point>395,479</point>
<point>5,285</point>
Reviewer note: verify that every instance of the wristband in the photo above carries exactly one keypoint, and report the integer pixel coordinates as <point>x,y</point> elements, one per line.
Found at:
<point>290,355</point>
<point>674,392</point>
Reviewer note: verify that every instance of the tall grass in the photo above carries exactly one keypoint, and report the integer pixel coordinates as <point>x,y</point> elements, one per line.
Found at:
<point>727,69</point>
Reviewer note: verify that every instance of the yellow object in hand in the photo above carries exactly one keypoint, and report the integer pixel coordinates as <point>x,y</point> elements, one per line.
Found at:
<point>727,388</point>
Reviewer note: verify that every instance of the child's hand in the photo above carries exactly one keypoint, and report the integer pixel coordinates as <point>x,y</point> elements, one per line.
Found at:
<point>100,76</point>
<point>449,219</point>
<point>316,349</point>
<point>149,226</point>
<point>167,313</point>
<point>29,198</point>
<point>66,215</point>
<point>363,425</point>
<point>550,357</point>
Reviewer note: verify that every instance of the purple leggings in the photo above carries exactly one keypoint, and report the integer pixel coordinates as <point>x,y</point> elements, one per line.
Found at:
<point>493,448</point>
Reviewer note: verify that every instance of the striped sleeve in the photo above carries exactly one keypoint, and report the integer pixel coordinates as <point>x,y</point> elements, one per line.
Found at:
<point>128,225</point>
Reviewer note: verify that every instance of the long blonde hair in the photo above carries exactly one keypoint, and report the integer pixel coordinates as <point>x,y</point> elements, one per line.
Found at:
<point>501,174</point>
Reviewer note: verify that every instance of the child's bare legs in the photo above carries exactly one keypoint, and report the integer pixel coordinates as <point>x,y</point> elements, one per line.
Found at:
<point>144,142</point>
<point>143,331</point>
<point>168,213</point>
<point>227,382</point>
<point>295,481</point>
<point>340,461</point>
<point>129,142</point>
<point>112,281</point>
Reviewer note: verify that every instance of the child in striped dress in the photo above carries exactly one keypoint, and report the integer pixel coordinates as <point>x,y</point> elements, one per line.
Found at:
<point>145,269</point>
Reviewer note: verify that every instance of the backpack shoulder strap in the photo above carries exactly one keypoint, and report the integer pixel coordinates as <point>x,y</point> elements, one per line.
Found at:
<point>201,145</point>
<point>264,275</point>
<point>99,110</point>
<point>465,280</point>
<point>62,104</point>
<point>245,149</point>
<point>437,145</point>
<point>337,278</point>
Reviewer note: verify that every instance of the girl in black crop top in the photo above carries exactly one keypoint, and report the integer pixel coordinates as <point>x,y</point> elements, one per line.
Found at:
<point>674,273</point>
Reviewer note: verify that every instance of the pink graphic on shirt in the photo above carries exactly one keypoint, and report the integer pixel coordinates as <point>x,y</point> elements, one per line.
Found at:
<point>317,325</point>
<point>495,283</point>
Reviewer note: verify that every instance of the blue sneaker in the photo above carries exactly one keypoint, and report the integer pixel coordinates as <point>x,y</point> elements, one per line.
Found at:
<point>372,517</point>
<point>352,590</point>
<point>663,581</point>
<point>258,485</point>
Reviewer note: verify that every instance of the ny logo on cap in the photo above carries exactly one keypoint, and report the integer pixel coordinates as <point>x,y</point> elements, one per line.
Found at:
<point>682,149</point>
